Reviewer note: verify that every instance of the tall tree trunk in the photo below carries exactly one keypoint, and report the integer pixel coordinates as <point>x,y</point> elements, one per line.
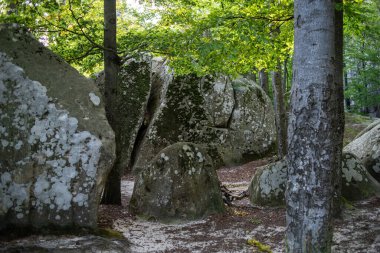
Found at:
<point>339,91</point>
<point>315,138</point>
<point>112,191</point>
<point>263,78</point>
<point>280,111</point>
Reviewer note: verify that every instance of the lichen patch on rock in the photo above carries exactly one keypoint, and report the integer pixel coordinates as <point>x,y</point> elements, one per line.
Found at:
<point>39,132</point>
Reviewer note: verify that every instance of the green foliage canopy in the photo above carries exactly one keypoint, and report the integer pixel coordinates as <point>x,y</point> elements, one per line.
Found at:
<point>214,36</point>
<point>198,36</point>
<point>202,36</point>
<point>71,28</point>
<point>362,54</point>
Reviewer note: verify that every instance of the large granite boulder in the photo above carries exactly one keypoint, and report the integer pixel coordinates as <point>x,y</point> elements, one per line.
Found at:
<point>366,146</point>
<point>180,183</point>
<point>268,185</point>
<point>234,118</point>
<point>56,146</point>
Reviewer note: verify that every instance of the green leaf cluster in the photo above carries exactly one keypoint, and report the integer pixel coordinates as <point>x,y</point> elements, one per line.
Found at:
<point>362,54</point>
<point>214,36</point>
<point>71,28</point>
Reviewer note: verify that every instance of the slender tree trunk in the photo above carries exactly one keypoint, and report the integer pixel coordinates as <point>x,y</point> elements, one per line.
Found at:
<point>112,191</point>
<point>338,122</point>
<point>285,78</point>
<point>280,111</point>
<point>263,78</point>
<point>347,99</point>
<point>315,138</point>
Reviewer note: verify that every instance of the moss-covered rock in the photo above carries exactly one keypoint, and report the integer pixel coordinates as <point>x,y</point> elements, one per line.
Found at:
<point>268,185</point>
<point>367,148</point>
<point>180,183</point>
<point>56,146</point>
<point>131,102</point>
<point>235,119</point>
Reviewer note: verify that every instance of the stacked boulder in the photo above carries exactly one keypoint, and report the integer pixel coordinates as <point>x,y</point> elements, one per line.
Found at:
<point>141,84</point>
<point>234,119</point>
<point>231,121</point>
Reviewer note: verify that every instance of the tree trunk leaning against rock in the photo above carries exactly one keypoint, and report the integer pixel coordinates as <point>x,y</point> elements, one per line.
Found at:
<point>112,191</point>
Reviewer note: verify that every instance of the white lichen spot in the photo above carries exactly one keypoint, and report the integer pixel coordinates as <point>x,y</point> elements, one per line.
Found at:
<point>6,178</point>
<point>164,157</point>
<point>94,98</point>
<point>200,157</point>
<point>4,143</point>
<point>222,138</point>
<point>350,171</point>
<point>376,167</point>
<point>188,151</point>
<point>20,215</point>
<point>81,199</point>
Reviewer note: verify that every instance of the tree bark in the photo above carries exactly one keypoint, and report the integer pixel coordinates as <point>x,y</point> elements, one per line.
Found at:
<point>314,130</point>
<point>339,91</point>
<point>112,191</point>
<point>280,111</point>
<point>263,78</point>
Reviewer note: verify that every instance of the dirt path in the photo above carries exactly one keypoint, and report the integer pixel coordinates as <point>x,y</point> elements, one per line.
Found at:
<point>358,231</point>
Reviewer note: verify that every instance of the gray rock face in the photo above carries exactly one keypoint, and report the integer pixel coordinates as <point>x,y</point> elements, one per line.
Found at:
<point>179,183</point>
<point>268,184</point>
<point>132,99</point>
<point>235,119</point>
<point>56,146</point>
<point>367,148</point>
<point>357,183</point>
<point>156,109</point>
<point>142,83</point>
<point>66,244</point>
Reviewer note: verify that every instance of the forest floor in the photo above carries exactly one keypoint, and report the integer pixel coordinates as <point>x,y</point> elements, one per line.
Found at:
<point>357,231</point>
